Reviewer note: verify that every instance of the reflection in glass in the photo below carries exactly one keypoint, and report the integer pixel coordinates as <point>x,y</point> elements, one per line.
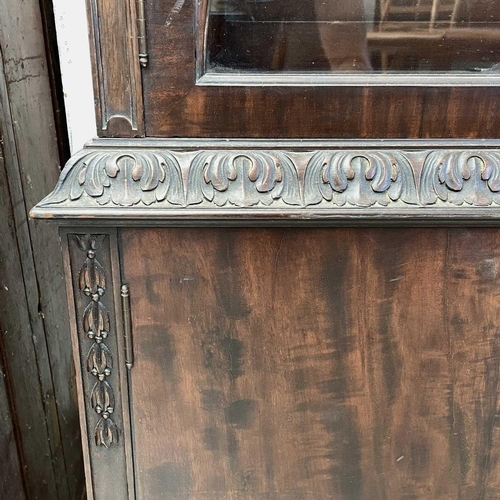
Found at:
<point>353,35</point>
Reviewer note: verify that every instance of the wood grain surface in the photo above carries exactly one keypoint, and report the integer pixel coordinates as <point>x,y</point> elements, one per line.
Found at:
<point>315,363</point>
<point>33,312</point>
<point>175,107</point>
<point>11,471</point>
<point>115,65</point>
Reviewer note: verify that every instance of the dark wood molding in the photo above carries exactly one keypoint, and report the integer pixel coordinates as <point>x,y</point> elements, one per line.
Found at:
<point>135,180</point>
<point>206,76</point>
<point>116,61</point>
<point>256,79</point>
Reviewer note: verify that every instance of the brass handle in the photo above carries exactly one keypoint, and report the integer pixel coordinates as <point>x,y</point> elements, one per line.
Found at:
<point>127,326</point>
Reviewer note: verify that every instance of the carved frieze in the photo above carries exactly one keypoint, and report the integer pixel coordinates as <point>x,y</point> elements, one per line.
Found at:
<point>267,179</point>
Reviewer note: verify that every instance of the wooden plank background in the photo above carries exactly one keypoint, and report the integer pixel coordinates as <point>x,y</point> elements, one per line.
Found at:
<point>11,476</point>
<point>36,345</point>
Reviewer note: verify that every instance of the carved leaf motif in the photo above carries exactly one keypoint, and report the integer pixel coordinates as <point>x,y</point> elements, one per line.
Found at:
<point>93,177</point>
<point>248,178</point>
<point>88,242</point>
<point>363,180</point>
<point>102,398</point>
<point>96,325</point>
<point>461,177</point>
<point>243,179</point>
<point>106,432</point>
<point>123,179</point>
<point>99,360</point>
<point>92,278</point>
<point>96,320</point>
<point>69,186</point>
<point>288,187</point>
<point>491,170</point>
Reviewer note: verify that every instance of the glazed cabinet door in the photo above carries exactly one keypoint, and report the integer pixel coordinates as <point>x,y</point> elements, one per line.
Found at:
<point>296,68</point>
<point>322,69</point>
<point>314,364</point>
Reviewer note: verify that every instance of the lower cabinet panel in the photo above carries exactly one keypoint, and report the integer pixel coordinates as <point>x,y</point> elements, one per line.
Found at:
<point>313,364</point>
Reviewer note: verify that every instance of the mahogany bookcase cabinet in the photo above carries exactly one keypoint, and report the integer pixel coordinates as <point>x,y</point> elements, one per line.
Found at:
<point>283,280</point>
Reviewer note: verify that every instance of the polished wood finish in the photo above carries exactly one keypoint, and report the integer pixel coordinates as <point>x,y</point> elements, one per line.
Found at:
<point>175,107</point>
<point>311,363</point>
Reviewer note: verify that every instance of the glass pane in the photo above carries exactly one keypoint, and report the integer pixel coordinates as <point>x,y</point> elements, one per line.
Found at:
<point>421,36</point>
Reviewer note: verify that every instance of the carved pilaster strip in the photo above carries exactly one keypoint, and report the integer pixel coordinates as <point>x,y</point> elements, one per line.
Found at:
<point>97,327</point>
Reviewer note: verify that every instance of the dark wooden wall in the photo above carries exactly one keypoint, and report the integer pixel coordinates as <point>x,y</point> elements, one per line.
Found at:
<point>39,432</point>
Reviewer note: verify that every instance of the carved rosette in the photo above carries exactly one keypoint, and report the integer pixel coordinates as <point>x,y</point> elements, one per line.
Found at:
<point>96,326</point>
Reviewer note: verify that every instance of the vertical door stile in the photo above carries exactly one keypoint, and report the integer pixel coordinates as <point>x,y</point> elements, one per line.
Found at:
<point>124,373</point>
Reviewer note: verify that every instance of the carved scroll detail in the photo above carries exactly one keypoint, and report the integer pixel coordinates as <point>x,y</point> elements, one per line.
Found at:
<point>359,179</point>
<point>242,179</point>
<point>275,180</point>
<point>121,178</point>
<point>461,177</point>
<point>96,326</point>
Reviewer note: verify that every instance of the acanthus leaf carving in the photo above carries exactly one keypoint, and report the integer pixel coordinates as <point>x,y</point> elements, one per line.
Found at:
<point>272,180</point>
<point>121,178</point>
<point>96,326</point>
<point>359,178</point>
<point>242,179</point>
<point>461,177</point>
